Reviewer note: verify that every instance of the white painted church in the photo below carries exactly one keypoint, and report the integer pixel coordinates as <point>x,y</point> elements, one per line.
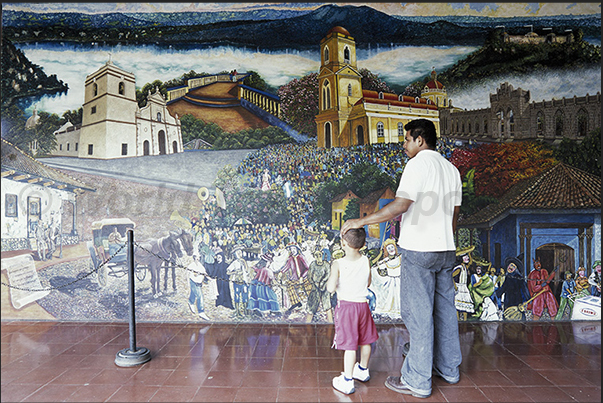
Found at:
<point>114,126</point>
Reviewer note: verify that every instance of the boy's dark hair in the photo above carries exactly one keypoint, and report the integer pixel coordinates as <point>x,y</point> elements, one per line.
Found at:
<point>424,128</point>
<point>355,237</point>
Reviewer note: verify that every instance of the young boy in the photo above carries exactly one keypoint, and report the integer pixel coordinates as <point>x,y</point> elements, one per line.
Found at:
<point>354,326</point>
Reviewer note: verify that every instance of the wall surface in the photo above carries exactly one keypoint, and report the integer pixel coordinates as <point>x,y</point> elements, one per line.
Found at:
<point>235,235</point>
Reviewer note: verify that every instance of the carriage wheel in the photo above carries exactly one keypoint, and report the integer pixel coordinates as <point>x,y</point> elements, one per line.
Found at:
<point>141,272</point>
<point>101,275</point>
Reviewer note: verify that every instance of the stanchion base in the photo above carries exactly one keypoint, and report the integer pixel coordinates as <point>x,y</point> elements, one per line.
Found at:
<point>129,358</point>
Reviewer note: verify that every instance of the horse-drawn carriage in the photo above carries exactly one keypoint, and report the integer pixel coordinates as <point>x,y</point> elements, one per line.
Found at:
<point>108,249</point>
<point>109,256</point>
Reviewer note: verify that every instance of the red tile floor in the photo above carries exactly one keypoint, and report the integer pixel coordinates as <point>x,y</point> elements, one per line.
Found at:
<point>75,362</point>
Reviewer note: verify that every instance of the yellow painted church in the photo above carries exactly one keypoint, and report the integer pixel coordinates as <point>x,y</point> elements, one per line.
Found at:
<point>349,115</point>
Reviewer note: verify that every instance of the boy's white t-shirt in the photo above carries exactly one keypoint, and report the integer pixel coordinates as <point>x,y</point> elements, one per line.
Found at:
<point>352,284</point>
<point>434,185</point>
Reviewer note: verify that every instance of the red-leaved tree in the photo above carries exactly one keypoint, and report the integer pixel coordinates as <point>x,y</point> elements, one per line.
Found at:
<point>500,166</point>
<point>299,103</point>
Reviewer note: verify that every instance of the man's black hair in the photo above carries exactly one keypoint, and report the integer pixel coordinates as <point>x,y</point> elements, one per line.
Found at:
<point>424,128</point>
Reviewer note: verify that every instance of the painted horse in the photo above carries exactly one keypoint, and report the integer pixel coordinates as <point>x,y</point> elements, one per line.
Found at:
<point>185,239</point>
<point>155,252</point>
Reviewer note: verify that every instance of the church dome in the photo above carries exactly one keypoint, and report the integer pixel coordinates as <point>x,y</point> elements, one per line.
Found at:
<point>434,84</point>
<point>340,30</point>
<point>33,120</point>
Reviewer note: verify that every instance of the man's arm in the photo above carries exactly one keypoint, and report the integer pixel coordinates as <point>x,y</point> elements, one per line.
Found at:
<point>398,206</point>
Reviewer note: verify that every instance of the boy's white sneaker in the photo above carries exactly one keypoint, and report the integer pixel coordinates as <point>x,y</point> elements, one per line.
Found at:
<point>361,374</point>
<point>340,383</point>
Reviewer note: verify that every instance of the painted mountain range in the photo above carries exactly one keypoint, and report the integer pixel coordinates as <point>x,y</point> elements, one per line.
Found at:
<point>277,28</point>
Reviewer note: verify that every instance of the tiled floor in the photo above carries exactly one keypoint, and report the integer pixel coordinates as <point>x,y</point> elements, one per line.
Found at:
<point>75,362</point>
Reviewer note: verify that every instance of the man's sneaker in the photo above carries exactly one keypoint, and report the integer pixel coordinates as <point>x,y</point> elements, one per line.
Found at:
<point>405,349</point>
<point>203,316</point>
<point>446,379</point>
<point>192,308</point>
<point>342,385</point>
<point>361,374</point>
<point>395,383</point>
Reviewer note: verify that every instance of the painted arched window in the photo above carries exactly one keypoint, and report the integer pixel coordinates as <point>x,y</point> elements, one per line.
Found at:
<point>159,116</point>
<point>360,135</point>
<point>540,122</point>
<point>416,100</point>
<point>511,122</point>
<point>469,127</point>
<point>501,118</point>
<point>326,95</point>
<point>161,140</point>
<point>349,90</point>
<point>380,129</point>
<point>400,97</point>
<point>485,126</point>
<point>476,127</point>
<point>582,120</point>
<point>94,89</point>
<point>174,147</point>
<point>559,124</point>
<point>328,135</point>
<point>346,55</point>
<point>380,95</point>
<point>122,88</point>
<point>326,54</point>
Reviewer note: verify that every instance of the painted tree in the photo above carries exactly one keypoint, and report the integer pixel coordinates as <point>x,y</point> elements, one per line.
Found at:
<point>372,82</point>
<point>74,116</point>
<point>142,94</point>
<point>252,203</point>
<point>255,80</point>
<point>584,155</point>
<point>500,166</point>
<point>43,134</point>
<point>299,103</point>
<point>362,179</point>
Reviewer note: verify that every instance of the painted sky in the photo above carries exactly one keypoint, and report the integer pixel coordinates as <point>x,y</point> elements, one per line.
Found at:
<point>404,9</point>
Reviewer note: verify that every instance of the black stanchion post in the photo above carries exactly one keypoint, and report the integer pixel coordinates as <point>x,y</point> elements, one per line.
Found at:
<point>129,357</point>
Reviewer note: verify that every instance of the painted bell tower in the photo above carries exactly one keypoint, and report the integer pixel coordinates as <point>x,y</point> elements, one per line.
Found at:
<point>339,88</point>
<point>109,114</point>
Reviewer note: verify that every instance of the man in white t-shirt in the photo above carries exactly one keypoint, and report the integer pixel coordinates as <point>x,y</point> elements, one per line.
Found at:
<point>429,198</point>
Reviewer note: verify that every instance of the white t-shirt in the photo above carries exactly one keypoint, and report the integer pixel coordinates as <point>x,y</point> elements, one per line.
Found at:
<point>352,284</point>
<point>434,185</point>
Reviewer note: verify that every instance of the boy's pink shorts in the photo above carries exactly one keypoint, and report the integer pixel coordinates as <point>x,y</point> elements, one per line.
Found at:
<point>354,325</point>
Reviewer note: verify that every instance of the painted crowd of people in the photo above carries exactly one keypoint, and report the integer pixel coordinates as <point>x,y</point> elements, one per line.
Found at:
<point>268,270</point>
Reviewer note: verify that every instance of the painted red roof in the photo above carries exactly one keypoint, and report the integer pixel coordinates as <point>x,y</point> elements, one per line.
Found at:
<point>347,195</point>
<point>434,85</point>
<point>562,187</point>
<point>392,99</point>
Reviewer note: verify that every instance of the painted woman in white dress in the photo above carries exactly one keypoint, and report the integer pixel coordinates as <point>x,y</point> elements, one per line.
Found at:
<point>266,180</point>
<point>386,281</point>
<point>462,299</point>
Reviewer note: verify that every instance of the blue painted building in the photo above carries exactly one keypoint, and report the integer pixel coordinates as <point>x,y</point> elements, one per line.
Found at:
<point>555,216</point>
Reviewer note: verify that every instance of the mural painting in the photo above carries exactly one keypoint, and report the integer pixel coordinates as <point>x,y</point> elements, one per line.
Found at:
<point>229,145</point>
